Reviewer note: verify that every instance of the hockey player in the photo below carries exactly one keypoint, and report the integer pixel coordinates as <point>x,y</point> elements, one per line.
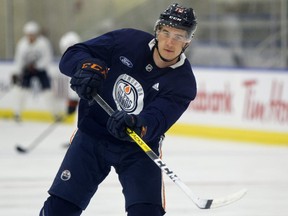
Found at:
<point>149,82</point>
<point>67,40</point>
<point>33,57</point>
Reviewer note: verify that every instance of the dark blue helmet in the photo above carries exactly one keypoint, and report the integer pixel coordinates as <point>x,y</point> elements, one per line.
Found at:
<point>178,17</point>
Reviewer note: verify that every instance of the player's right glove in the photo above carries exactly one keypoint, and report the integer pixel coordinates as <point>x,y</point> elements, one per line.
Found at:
<point>88,80</point>
<point>15,79</point>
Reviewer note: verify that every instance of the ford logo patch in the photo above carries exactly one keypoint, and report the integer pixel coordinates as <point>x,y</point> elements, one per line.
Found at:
<point>126,61</point>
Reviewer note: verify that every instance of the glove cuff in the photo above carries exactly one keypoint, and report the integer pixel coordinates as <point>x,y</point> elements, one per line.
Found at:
<point>136,123</point>
<point>93,65</point>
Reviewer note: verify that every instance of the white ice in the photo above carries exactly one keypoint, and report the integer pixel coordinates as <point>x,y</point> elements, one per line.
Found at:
<point>211,168</point>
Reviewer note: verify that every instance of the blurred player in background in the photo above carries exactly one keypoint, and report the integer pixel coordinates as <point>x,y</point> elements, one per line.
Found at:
<point>67,40</point>
<point>149,82</point>
<point>33,57</point>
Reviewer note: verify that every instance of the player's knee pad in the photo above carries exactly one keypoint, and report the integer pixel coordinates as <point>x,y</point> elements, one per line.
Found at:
<point>145,209</point>
<point>55,206</point>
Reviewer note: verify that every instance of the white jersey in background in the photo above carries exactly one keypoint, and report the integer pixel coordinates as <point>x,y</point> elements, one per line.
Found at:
<point>39,53</point>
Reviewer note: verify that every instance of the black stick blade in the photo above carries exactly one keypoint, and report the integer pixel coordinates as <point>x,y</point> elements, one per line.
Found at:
<point>20,149</point>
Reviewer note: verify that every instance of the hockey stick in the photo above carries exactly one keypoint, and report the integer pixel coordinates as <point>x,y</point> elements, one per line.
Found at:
<point>38,139</point>
<point>199,202</point>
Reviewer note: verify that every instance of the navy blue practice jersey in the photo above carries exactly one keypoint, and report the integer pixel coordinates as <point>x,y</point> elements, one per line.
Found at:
<point>134,83</point>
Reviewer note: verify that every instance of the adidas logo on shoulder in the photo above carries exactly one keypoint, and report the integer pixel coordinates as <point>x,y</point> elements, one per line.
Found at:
<point>156,86</point>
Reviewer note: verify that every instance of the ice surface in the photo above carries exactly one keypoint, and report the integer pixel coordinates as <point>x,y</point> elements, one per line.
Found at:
<point>211,168</point>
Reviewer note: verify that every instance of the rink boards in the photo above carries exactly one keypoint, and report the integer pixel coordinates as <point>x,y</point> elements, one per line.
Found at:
<point>236,104</point>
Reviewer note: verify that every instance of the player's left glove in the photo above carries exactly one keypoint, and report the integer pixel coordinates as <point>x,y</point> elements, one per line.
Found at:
<point>120,120</point>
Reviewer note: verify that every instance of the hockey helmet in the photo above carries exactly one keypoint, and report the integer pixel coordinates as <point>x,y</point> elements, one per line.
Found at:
<point>178,17</point>
<point>31,27</point>
<point>68,39</point>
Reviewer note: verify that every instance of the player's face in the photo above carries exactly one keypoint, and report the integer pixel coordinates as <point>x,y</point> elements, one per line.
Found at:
<point>171,42</point>
<point>31,37</point>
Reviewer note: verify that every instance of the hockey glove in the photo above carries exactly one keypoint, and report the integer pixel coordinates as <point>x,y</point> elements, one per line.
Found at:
<point>15,79</point>
<point>72,105</point>
<point>29,69</point>
<point>89,78</point>
<point>120,120</point>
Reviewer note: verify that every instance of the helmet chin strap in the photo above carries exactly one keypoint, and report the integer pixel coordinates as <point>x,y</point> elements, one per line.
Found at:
<point>167,60</point>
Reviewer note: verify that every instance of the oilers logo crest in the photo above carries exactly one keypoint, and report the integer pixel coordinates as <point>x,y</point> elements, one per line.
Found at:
<point>128,94</point>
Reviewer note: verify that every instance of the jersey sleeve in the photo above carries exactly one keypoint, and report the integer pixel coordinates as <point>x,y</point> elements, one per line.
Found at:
<point>100,47</point>
<point>45,61</point>
<point>18,60</point>
<point>168,107</point>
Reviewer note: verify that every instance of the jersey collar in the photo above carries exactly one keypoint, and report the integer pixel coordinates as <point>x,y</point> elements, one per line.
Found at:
<point>177,64</point>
